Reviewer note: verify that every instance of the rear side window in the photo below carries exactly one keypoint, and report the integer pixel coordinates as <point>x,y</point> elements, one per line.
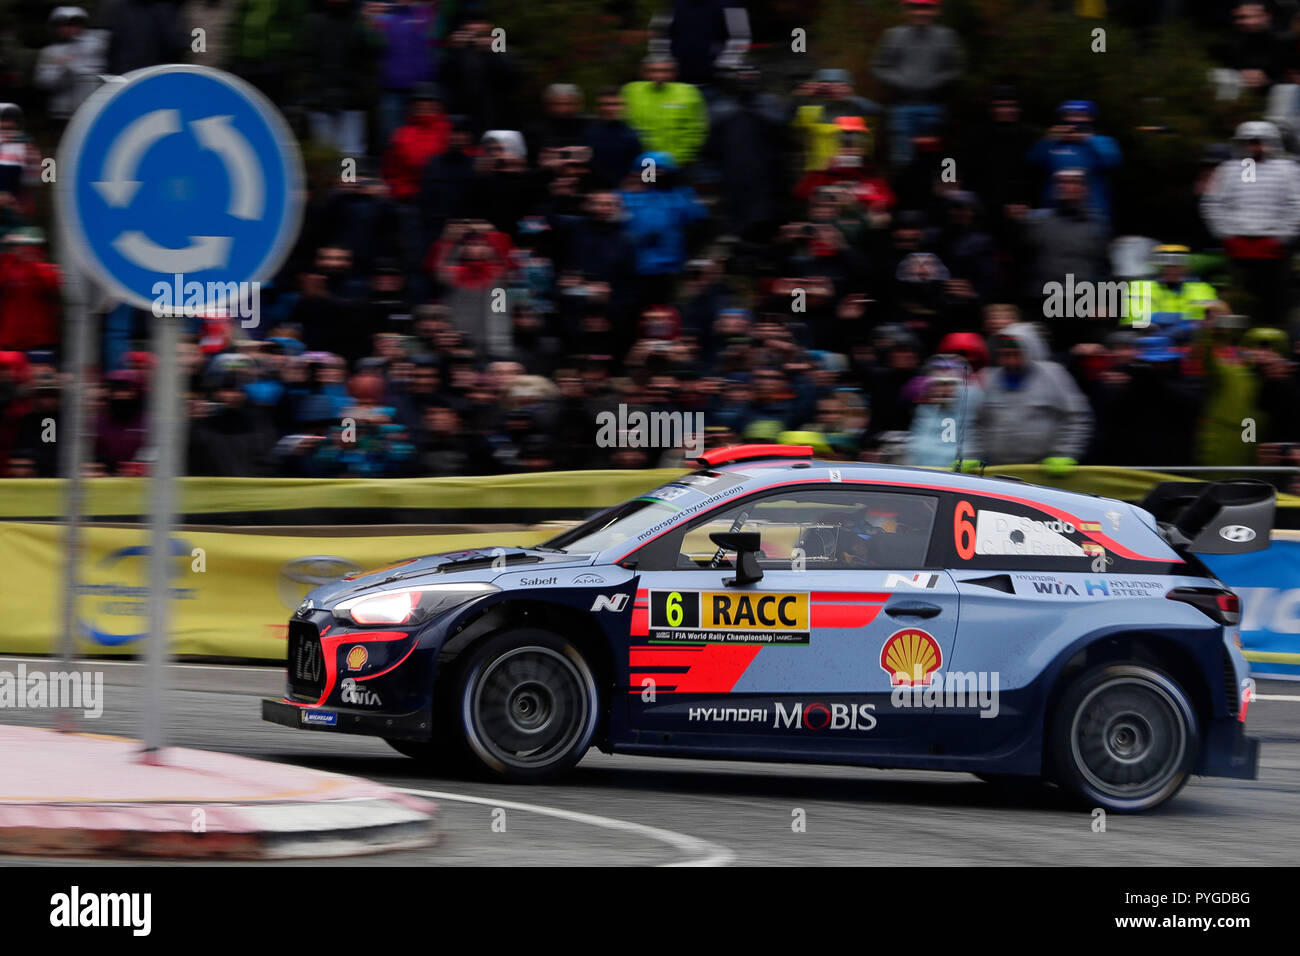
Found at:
<point>990,533</point>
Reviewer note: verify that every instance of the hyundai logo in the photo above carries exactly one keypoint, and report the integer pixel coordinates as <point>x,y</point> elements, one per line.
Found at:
<point>1238,533</point>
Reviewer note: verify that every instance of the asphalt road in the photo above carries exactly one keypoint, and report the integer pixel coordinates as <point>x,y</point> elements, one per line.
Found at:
<point>637,810</point>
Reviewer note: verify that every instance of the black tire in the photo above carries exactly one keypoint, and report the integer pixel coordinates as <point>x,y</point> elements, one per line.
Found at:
<point>1124,737</point>
<point>527,705</point>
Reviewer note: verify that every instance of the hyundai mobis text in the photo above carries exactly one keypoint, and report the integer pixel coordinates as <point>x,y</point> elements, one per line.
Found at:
<point>774,607</point>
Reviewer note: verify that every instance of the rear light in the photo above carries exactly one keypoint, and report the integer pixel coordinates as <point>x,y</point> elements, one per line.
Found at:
<point>1221,606</point>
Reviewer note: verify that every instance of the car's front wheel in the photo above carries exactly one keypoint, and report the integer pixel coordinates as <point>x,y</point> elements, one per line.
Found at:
<point>527,705</point>
<point>1124,737</point>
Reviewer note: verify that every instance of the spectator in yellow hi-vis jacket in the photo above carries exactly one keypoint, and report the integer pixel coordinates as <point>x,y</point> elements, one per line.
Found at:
<point>670,117</point>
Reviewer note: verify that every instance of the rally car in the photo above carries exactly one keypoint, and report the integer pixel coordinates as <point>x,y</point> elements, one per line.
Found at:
<point>769,606</point>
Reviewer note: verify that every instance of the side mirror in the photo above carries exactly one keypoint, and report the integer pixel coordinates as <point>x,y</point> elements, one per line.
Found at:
<point>746,545</point>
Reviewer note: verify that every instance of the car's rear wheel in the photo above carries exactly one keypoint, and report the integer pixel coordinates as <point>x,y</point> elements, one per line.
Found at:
<point>1124,737</point>
<point>528,705</point>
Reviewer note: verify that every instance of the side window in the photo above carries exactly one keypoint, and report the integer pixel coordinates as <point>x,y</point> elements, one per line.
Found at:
<point>818,529</point>
<point>991,533</point>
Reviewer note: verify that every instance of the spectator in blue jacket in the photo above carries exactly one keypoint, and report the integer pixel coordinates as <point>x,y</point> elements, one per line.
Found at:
<point>658,214</point>
<point>1072,144</point>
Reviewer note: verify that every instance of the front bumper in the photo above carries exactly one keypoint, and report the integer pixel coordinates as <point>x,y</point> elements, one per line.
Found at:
<point>1228,752</point>
<point>416,725</point>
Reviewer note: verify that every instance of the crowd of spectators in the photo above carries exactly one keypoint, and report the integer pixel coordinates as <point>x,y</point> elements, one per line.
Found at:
<point>486,272</point>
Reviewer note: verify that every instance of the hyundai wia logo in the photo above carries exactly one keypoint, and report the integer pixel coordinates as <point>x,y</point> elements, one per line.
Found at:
<point>1237,533</point>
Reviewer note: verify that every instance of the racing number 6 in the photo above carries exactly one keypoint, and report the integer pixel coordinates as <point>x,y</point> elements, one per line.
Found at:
<point>674,609</point>
<point>963,532</point>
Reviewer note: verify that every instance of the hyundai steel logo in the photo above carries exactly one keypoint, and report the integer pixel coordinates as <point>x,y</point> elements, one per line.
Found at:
<point>1238,533</point>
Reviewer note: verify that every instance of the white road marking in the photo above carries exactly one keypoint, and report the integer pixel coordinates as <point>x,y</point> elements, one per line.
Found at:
<point>703,852</point>
<point>1255,697</point>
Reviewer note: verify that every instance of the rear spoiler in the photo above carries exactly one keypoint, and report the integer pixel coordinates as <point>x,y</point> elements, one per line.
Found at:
<point>1214,517</point>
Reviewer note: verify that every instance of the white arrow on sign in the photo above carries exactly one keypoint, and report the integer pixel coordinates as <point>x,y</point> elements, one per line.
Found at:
<point>118,186</point>
<point>247,191</point>
<point>203,252</point>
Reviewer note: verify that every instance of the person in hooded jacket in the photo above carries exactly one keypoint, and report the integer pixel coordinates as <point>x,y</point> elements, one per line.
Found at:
<point>121,430</point>
<point>658,215</point>
<point>947,398</point>
<point>1252,204</point>
<point>1031,410</point>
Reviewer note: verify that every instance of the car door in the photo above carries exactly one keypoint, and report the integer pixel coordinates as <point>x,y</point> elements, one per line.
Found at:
<point>813,655</point>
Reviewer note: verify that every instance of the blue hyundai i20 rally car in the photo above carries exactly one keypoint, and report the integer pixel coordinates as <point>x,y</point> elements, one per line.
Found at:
<point>773,607</point>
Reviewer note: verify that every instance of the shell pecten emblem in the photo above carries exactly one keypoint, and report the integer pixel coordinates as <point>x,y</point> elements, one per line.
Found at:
<point>357,657</point>
<point>910,657</point>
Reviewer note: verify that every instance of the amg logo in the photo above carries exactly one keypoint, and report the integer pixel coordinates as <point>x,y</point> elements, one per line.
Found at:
<point>609,602</point>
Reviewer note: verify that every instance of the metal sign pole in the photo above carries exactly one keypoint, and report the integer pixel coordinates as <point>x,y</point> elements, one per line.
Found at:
<point>166,417</point>
<point>124,229</point>
<point>78,335</point>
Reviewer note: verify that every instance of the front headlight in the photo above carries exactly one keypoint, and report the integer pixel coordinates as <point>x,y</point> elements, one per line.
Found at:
<point>411,605</point>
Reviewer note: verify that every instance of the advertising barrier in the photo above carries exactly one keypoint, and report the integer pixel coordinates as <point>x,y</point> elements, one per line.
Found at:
<point>233,592</point>
<point>579,492</point>
<point>1268,583</point>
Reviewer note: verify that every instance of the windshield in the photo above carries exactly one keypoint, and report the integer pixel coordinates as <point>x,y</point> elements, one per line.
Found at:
<point>612,526</point>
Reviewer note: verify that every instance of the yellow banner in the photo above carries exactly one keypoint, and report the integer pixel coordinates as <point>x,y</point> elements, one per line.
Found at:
<point>233,593</point>
<point>42,498</point>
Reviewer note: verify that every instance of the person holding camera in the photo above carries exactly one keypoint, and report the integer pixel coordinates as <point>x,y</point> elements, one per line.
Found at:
<point>1073,144</point>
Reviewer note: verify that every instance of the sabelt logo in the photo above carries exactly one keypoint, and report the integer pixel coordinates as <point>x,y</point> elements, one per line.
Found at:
<point>910,657</point>
<point>722,610</point>
<point>819,716</point>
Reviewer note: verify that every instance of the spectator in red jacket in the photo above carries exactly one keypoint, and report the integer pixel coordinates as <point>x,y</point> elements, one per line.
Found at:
<point>15,372</point>
<point>29,293</point>
<point>424,136</point>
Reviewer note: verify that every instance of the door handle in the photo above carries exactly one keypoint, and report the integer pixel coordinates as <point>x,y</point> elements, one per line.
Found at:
<point>913,609</point>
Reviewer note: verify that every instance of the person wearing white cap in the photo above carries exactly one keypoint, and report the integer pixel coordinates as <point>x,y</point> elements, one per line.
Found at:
<point>1252,204</point>
<point>68,69</point>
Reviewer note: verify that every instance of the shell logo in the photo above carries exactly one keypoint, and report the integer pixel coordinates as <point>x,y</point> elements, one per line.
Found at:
<point>357,657</point>
<point>910,657</point>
